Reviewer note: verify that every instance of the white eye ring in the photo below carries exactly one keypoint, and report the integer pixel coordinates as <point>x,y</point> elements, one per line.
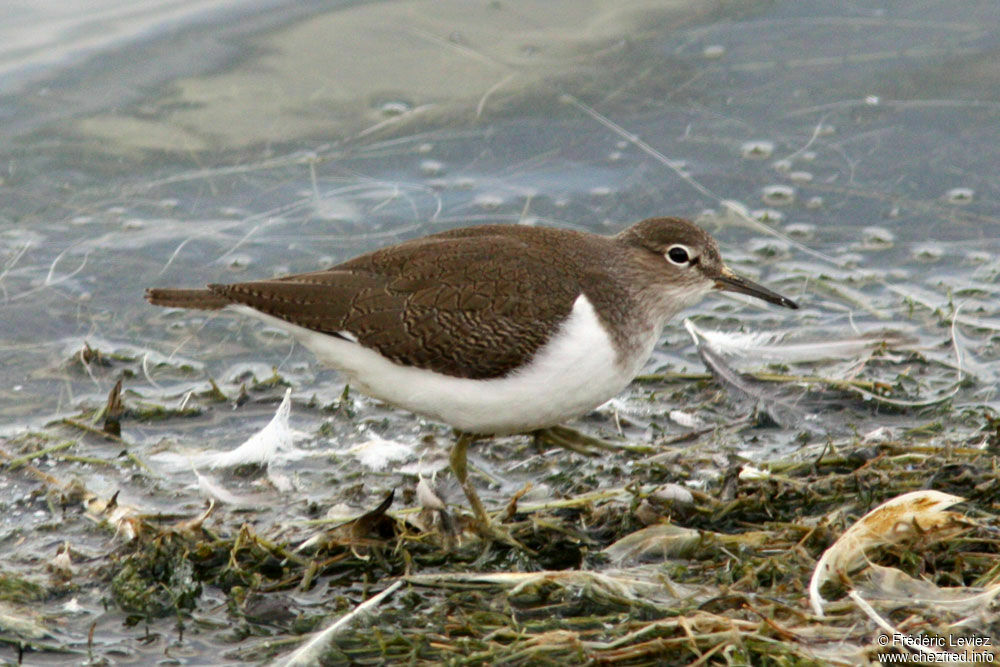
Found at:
<point>679,254</point>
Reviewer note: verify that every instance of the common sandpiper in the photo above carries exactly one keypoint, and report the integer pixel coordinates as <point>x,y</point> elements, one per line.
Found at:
<point>493,329</point>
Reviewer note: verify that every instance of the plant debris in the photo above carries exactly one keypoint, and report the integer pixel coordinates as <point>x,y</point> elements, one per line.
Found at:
<point>650,535</point>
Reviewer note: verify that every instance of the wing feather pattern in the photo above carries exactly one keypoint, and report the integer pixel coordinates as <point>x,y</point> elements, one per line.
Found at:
<point>470,305</point>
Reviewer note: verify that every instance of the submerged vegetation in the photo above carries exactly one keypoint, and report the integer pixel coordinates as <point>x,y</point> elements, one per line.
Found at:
<point>666,546</point>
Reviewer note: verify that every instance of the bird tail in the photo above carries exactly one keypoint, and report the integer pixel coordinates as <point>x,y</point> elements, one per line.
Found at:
<point>199,299</point>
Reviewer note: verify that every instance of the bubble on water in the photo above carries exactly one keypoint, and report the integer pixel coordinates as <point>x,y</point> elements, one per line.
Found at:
<point>116,210</point>
<point>134,223</point>
<point>713,51</point>
<point>246,372</point>
<point>239,262</point>
<point>758,149</point>
<point>767,215</point>
<point>731,207</point>
<point>800,230</point>
<point>425,148</point>
<point>849,260</point>
<point>431,168</point>
<point>326,260</point>
<point>877,238</point>
<point>528,221</point>
<point>488,201</point>
<point>614,156</point>
<point>825,130</point>
<point>778,195</point>
<point>807,156</point>
<point>800,176</point>
<point>600,191</point>
<point>867,276</point>
<point>814,202</point>
<point>168,202</point>
<point>782,166</point>
<point>873,100</point>
<point>621,145</point>
<point>928,252</point>
<point>334,208</point>
<point>959,195</point>
<point>82,220</point>
<point>464,183</point>
<point>233,212</point>
<point>560,202</point>
<point>395,108</point>
<point>769,248</point>
<point>979,257</point>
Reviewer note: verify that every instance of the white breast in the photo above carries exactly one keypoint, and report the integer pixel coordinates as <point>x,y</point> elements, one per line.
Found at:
<point>577,370</point>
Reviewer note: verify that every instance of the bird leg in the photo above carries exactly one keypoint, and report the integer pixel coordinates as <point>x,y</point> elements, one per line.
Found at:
<point>460,467</point>
<point>484,524</point>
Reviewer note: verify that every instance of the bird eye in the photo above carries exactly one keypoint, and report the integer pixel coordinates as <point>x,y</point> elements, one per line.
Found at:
<point>679,255</point>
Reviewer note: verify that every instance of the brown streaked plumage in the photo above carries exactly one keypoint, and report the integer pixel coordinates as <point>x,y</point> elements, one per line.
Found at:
<point>476,302</point>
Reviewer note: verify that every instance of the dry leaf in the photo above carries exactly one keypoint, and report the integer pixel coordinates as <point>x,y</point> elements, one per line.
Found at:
<point>893,521</point>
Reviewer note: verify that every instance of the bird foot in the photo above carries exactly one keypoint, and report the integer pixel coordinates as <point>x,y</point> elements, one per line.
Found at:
<point>575,441</point>
<point>486,527</point>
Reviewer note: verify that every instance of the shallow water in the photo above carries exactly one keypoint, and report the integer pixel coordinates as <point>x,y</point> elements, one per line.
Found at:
<point>181,143</point>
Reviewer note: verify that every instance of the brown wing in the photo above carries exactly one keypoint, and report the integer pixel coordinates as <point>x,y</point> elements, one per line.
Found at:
<point>474,306</point>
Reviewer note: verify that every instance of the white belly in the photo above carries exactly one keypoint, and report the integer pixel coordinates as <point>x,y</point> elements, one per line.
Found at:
<point>576,371</point>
